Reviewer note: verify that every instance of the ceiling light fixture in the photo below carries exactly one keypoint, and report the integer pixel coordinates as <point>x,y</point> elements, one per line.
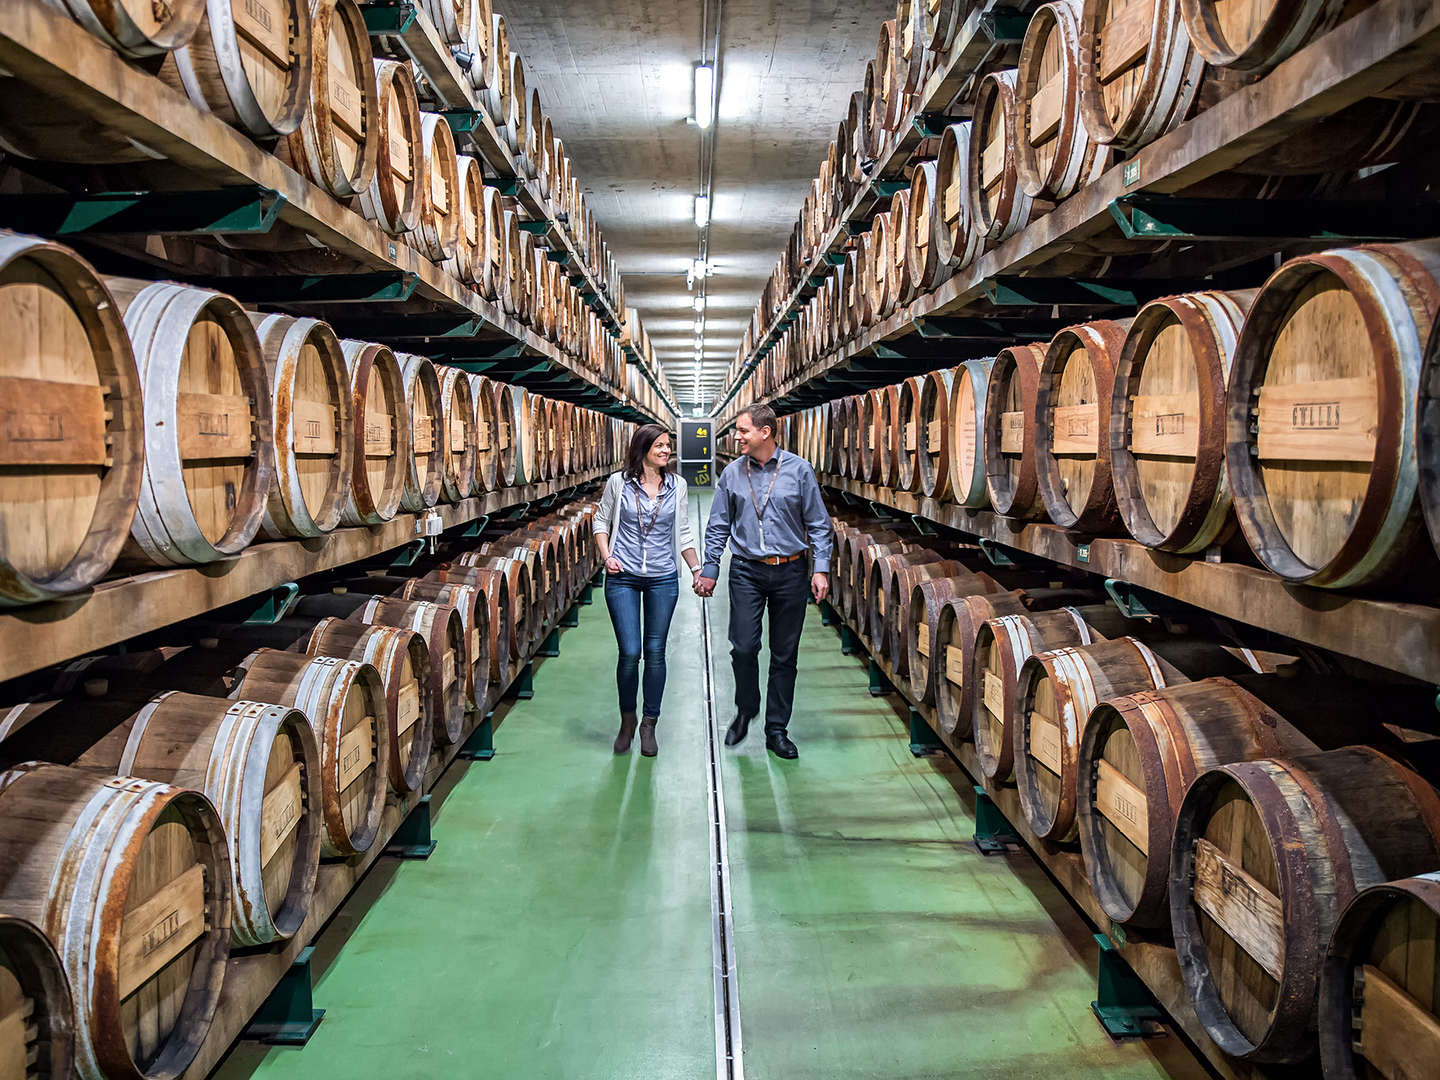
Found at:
<point>700,303</point>
<point>700,269</point>
<point>704,95</point>
<point>702,211</point>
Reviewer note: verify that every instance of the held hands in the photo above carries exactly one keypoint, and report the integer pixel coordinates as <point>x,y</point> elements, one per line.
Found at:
<point>820,586</point>
<point>704,586</point>
<point>612,566</point>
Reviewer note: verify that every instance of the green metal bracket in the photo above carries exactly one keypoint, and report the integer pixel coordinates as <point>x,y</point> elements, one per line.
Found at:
<point>524,685</point>
<point>995,554</point>
<point>815,280</point>
<point>461,121</point>
<point>835,258</point>
<point>507,186</point>
<point>1012,291</point>
<point>413,328</point>
<point>276,603</point>
<point>1004,28</point>
<point>388,17</point>
<point>230,210</point>
<point>923,740</point>
<point>923,527</point>
<point>558,255</point>
<point>476,528</point>
<point>1123,1004</point>
<point>412,839</point>
<point>879,684</point>
<point>881,511</point>
<point>849,643</point>
<point>1136,603</point>
<point>571,617</point>
<point>1150,215</point>
<point>536,228</point>
<point>993,832</point>
<point>380,286</point>
<point>551,645</point>
<point>407,555</point>
<point>931,125</point>
<point>886,188</point>
<point>480,746</point>
<point>828,615</point>
<point>289,1016</point>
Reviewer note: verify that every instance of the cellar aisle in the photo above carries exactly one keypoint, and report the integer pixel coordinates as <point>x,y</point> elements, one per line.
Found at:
<point>562,927</point>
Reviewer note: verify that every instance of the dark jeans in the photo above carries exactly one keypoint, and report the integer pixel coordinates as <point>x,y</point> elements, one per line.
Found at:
<point>786,590</point>
<point>627,595</point>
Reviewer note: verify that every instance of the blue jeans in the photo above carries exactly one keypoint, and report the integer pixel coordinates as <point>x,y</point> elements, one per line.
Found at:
<point>626,595</point>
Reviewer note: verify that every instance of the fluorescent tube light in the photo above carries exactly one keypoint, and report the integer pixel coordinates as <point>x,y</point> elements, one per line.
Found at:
<point>702,211</point>
<point>704,95</point>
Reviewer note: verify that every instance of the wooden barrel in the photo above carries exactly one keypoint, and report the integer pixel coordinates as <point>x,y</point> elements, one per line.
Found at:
<point>438,228</point>
<point>1138,756</point>
<point>259,765</point>
<point>526,619</point>
<point>909,434</point>
<point>469,261</point>
<point>1265,857</point>
<point>402,658</point>
<point>381,434</point>
<point>512,287</point>
<point>1072,412</point>
<point>344,701</point>
<point>337,144</point>
<point>1377,985</point>
<point>457,434</point>
<point>497,70</point>
<point>209,453</point>
<point>451,19</point>
<point>871,437</point>
<point>425,457</point>
<point>884,611</point>
<point>1256,35</point>
<point>1009,432</point>
<point>957,240</point>
<point>999,205</point>
<point>965,432</point>
<point>36,1003</point>
<point>493,584</point>
<point>313,423</point>
<point>517,103</point>
<point>887,435</point>
<point>929,593</point>
<point>473,604</point>
<point>128,879</point>
<point>490,255</point>
<point>939,20</point>
<point>249,64</point>
<point>1139,72</point>
<point>503,434</point>
<point>137,29</point>
<point>1055,693</point>
<point>926,269</point>
<point>1320,413</point>
<point>482,394</point>
<point>394,196</point>
<point>1055,155</point>
<point>864,585</point>
<point>877,269</point>
<point>1167,417</point>
<point>522,431</point>
<point>902,286</point>
<point>954,657</point>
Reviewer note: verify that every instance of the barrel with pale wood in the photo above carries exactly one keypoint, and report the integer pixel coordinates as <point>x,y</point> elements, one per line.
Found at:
<point>926,269</point>
<point>902,286</point>
<point>1167,442</point>
<point>1377,1014</point>
<point>1139,71</point>
<point>380,433</point>
<point>393,198</point>
<point>1054,151</point>
<point>209,453</point>
<point>877,276</point>
<point>469,261</point>
<point>129,879</point>
<point>526,619</point>
<point>478,42</point>
<point>493,585</point>
<point>1009,432</point>
<point>496,94</point>
<point>957,240</point>
<point>503,434</point>
<point>344,700</point>
<point>884,610</point>
<point>36,1007</point>
<point>929,594</point>
<point>517,103</point>
<point>337,144</point>
<point>887,435</point>
<point>965,432</point>
<point>249,63</point>
<point>1321,413</point>
<point>487,461</point>
<point>908,434</point>
<point>424,457</point>
<point>137,28</point>
<point>871,437</point>
<point>954,657</point>
<point>512,278</point>
<point>999,204</point>
<point>490,252</point>
<point>72,441</point>
<point>1266,855</point>
<point>474,605</point>
<point>457,434</point>
<point>1072,417</point>
<point>1255,35</point>
<point>451,19</point>
<point>402,659</point>
<point>438,227</point>
<point>313,422</point>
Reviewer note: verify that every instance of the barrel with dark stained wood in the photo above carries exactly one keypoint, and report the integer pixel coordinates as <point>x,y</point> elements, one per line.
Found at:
<point>1055,155</point>
<point>883,607</point>
<point>473,604</point>
<point>1009,432</point>
<point>921,630</point>
<point>953,655</point>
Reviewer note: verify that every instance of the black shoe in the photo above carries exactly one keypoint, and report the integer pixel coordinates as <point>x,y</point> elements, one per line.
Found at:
<point>779,744</point>
<point>739,728</point>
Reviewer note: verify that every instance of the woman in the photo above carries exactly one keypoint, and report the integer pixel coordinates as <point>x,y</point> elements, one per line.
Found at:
<point>642,515</point>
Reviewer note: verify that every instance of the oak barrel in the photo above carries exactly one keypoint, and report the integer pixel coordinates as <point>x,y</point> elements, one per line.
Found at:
<point>884,611</point>
<point>999,205</point>
<point>35,1004</point>
<point>1009,432</point>
<point>920,634</point>
<point>476,609</point>
<point>1055,155</point>
<point>470,261</point>
<point>493,584</point>
<point>957,239</point>
<point>438,229</point>
<point>394,196</point>
<point>954,655</point>
<point>381,434</point>
<point>137,28</point>
<point>909,434</point>
<point>337,144</point>
<point>504,433</point>
<point>425,456</point>
<point>965,433</point>
<point>1255,35</point>
<point>487,461</point>
<point>457,434</point>
<point>1139,71</point>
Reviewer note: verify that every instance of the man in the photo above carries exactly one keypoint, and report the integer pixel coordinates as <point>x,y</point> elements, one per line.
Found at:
<point>769,510</point>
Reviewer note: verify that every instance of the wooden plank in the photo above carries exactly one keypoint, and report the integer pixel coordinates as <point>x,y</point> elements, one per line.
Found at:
<point>909,440</point>
<point>1012,433</point>
<point>447,670</point>
<point>17,1034</point>
<point>213,426</point>
<point>1045,109</point>
<point>422,433</point>
<point>1397,1036</point>
<point>1325,420</point>
<point>482,435</point>
<point>407,709</point>
<point>1164,425</point>
<point>922,639</point>
<point>457,436</point>
<point>1250,913</point>
<point>266,25</point>
<point>1125,38</point>
<point>1123,804</point>
<point>954,665</point>
<point>312,425</point>
<point>1075,429</point>
<point>439,190</point>
<point>400,153</point>
<point>992,161</point>
<point>935,436</point>
<point>357,751</point>
<point>157,930</point>
<point>51,423</point>
<point>379,436</point>
<point>1044,736</point>
<point>992,693</point>
<point>343,94</point>
<point>280,812</point>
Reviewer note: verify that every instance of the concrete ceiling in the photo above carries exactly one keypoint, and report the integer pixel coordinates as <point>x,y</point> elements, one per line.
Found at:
<point>616,77</point>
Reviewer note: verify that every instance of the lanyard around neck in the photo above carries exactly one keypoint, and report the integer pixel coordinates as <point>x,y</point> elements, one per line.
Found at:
<point>645,529</point>
<point>760,507</point>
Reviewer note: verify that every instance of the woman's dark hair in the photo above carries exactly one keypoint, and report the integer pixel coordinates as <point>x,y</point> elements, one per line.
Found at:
<point>640,444</point>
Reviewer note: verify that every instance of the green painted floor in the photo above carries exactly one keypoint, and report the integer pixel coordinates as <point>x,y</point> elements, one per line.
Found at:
<point>562,926</point>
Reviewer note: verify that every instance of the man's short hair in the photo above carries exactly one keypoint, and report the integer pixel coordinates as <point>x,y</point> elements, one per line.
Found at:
<point>763,416</point>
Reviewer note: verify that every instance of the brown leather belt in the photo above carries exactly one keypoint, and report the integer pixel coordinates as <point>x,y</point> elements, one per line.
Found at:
<point>778,560</point>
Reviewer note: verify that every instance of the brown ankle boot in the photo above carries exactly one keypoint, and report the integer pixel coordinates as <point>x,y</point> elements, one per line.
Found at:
<point>627,732</point>
<point>648,746</point>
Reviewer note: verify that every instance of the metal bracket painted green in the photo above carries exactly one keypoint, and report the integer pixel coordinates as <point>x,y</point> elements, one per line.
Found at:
<point>461,121</point>
<point>242,209</point>
<point>407,555</point>
<point>506,185</point>
<point>993,832</point>
<point>923,740</point>
<point>1151,215</point>
<point>1136,603</point>
<point>835,258</point>
<point>536,228</point>
<point>379,286</point>
<point>922,526</point>
<point>277,602</point>
<point>1011,291</point>
<point>816,280</point>
<point>879,684</point>
<point>412,840</point>
<point>1004,28</point>
<point>1123,1003</point>
<point>571,617</point>
<point>849,643</point>
<point>828,615</point>
<point>881,511</point>
<point>558,255</point>
<point>886,188</point>
<point>551,646</point>
<point>476,528</point>
<point>288,1017</point>
<point>413,327</point>
<point>931,125</point>
<point>480,746</point>
<point>995,554</point>
<point>523,687</point>
<point>388,17</point>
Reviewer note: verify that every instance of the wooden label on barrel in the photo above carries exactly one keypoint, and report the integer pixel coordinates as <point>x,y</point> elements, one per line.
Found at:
<point>1044,739</point>
<point>1397,1035</point>
<point>1241,906</point>
<point>439,188</point>
<point>950,208</point>
<point>447,668</point>
<point>1075,429</point>
<point>992,693</point>
<point>934,436</point>
<point>160,928</point>
<point>1328,420</point>
<point>910,443</point>
<point>265,24</point>
<point>954,665</point>
<point>880,603</point>
<point>51,423</point>
<point>1123,804</point>
<point>398,145</point>
<point>1045,109</point>
<point>550,439</point>
<point>922,639</point>
<point>344,94</point>
<point>1125,38</point>
<point>280,812</point>
<point>482,435</point>
<point>870,438</point>
<point>17,1036</point>
<point>379,437</point>
<point>475,644</point>
<point>313,424</point>
<point>422,427</point>
<point>457,437</point>
<point>407,708</point>
<point>1164,425</point>
<point>992,161</point>
<point>213,425</point>
<point>357,751</point>
<point>1012,433</point>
